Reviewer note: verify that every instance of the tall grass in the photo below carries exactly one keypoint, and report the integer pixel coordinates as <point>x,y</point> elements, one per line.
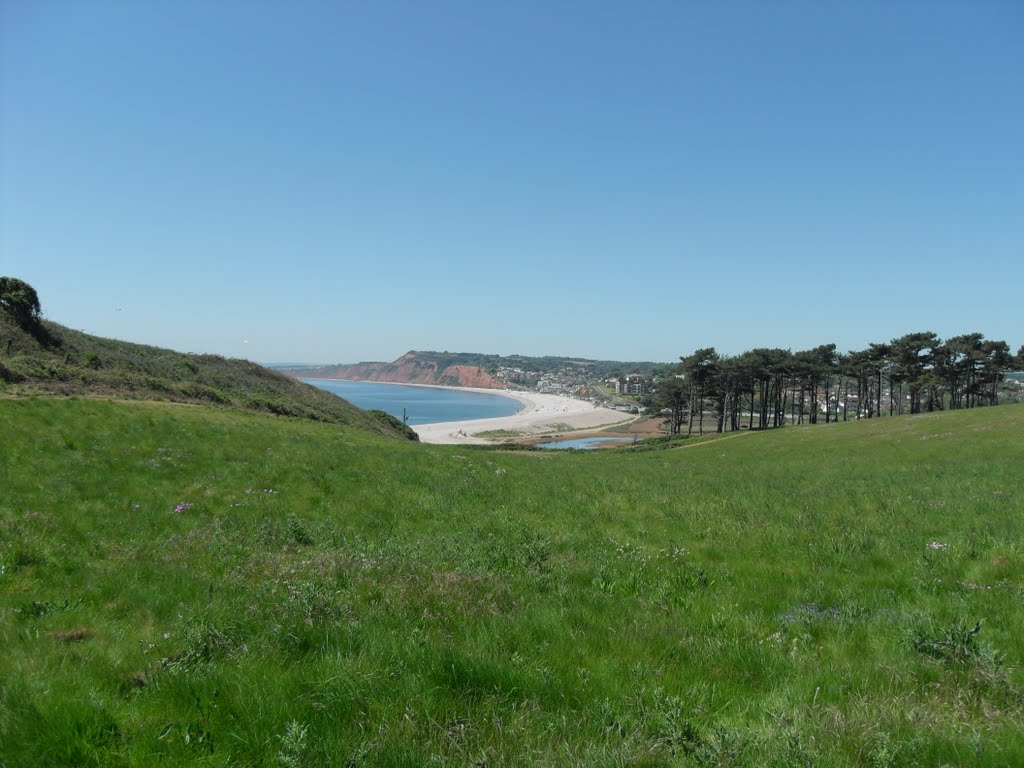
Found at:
<point>186,586</point>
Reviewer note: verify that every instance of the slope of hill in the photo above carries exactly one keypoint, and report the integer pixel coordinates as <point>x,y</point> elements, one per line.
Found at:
<point>60,361</point>
<point>184,586</point>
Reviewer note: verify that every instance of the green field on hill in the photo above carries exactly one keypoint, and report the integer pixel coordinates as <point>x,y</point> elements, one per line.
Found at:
<point>187,586</point>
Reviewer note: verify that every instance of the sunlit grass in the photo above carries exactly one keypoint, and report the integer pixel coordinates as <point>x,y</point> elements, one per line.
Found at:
<point>181,585</point>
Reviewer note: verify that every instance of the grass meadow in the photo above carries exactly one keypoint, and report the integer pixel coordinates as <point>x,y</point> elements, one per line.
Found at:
<point>186,586</point>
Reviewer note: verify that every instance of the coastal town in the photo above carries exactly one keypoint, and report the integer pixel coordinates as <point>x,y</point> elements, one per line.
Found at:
<point>574,381</point>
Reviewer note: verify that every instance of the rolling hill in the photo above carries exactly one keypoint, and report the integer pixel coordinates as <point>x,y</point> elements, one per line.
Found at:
<point>55,360</point>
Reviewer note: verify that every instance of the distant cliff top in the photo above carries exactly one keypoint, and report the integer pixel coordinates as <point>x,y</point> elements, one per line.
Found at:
<point>466,369</point>
<point>410,368</point>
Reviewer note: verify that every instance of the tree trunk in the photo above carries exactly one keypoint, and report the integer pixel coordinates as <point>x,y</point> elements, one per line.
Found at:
<point>700,405</point>
<point>689,409</point>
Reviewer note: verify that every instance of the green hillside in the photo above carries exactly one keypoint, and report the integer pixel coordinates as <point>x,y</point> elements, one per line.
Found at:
<point>59,361</point>
<point>189,586</point>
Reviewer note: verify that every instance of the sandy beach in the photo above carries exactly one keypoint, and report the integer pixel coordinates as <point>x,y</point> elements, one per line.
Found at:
<point>540,415</point>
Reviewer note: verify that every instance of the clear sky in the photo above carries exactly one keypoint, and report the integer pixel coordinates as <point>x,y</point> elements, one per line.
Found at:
<point>345,181</point>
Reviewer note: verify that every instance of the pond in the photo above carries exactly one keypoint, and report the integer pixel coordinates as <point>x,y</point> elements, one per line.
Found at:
<point>584,443</point>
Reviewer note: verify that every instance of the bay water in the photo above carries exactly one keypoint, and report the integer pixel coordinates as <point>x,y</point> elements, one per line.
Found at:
<point>424,405</point>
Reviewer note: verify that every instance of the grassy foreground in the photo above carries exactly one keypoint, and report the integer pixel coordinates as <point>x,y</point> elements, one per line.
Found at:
<point>180,585</point>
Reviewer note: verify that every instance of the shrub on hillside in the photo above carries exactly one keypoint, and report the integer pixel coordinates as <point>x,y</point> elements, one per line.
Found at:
<point>20,301</point>
<point>388,420</point>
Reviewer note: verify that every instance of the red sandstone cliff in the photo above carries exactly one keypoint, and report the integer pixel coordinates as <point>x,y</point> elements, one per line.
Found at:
<point>469,376</point>
<point>410,368</point>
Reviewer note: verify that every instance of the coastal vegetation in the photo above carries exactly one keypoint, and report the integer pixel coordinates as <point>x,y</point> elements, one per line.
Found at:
<point>200,586</point>
<point>914,373</point>
<point>496,433</point>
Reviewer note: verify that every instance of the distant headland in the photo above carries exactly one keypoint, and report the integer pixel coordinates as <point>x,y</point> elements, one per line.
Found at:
<point>470,369</point>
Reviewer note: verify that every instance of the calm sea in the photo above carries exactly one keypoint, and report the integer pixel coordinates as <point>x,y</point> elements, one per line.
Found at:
<point>425,405</point>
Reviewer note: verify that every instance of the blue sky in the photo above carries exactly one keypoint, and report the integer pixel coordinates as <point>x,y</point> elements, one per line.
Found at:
<point>344,181</point>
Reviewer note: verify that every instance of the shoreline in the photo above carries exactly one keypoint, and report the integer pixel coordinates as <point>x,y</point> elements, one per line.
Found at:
<point>539,415</point>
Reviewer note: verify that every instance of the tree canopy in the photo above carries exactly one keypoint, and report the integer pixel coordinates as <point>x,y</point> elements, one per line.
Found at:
<point>913,373</point>
<point>20,301</point>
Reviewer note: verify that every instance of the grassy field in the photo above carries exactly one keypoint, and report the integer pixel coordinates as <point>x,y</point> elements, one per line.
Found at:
<point>180,585</point>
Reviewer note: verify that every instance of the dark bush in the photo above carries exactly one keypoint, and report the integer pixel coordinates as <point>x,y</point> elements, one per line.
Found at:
<point>388,420</point>
<point>20,301</point>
